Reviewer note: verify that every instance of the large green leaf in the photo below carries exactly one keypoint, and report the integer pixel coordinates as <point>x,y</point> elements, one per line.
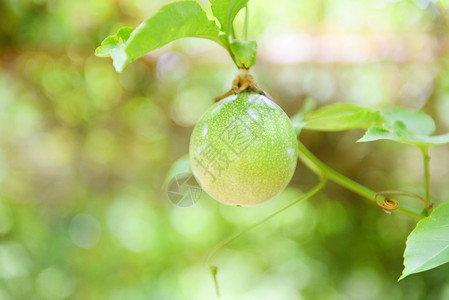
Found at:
<point>226,11</point>
<point>172,21</point>
<point>428,244</point>
<point>405,126</point>
<point>245,53</point>
<point>342,116</point>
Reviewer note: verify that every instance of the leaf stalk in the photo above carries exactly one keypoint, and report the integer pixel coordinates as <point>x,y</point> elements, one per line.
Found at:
<point>426,159</point>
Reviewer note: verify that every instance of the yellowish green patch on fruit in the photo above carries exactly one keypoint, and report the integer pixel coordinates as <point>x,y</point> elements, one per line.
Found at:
<point>243,151</point>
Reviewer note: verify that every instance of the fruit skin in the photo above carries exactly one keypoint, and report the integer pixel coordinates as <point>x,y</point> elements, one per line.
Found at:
<point>243,150</point>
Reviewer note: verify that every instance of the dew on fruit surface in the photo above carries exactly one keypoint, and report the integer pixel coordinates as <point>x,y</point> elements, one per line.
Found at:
<point>217,109</point>
<point>291,151</point>
<point>268,102</point>
<point>254,98</point>
<point>204,131</point>
<point>253,114</point>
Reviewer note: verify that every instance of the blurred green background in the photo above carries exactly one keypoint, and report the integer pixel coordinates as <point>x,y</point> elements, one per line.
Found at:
<point>84,152</point>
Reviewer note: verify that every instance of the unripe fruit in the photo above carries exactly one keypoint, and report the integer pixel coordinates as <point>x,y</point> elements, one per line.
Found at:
<point>243,150</point>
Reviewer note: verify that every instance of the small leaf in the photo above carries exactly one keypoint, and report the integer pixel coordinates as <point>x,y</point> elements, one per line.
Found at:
<point>428,244</point>
<point>416,122</point>
<point>397,132</point>
<point>408,127</point>
<point>171,22</point>
<point>114,42</point>
<point>226,11</point>
<point>245,53</point>
<point>342,116</point>
<point>180,166</point>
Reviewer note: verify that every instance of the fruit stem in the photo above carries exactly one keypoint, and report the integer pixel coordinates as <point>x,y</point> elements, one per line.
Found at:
<point>317,166</point>
<point>243,82</point>
<point>225,242</point>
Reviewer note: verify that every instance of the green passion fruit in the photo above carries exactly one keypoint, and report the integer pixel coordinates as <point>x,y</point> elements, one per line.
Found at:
<point>243,150</point>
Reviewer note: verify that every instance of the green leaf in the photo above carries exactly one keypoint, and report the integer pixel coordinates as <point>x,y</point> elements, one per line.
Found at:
<point>171,22</point>
<point>244,52</point>
<point>114,43</point>
<point>416,122</point>
<point>226,11</point>
<point>399,133</point>
<point>342,116</point>
<point>428,244</point>
<point>180,166</point>
<point>405,126</point>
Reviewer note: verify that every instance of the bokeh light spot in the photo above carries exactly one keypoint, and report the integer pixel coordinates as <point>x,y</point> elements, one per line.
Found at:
<point>84,231</point>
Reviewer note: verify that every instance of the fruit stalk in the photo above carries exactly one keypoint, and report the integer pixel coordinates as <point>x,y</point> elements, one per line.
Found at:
<point>243,82</point>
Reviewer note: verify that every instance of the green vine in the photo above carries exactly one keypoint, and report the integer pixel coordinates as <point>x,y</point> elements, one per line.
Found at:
<point>319,167</point>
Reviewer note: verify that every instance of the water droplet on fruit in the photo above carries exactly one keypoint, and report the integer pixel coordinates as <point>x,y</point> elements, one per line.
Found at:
<point>217,109</point>
<point>253,114</point>
<point>291,151</point>
<point>204,131</point>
